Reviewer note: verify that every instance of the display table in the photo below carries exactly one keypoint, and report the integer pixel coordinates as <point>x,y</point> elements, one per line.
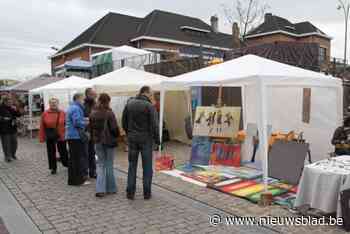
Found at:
<point>322,182</point>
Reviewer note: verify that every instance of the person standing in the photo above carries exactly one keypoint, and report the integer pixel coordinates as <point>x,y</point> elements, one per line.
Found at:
<point>76,136</point>
<point>140,123</point>
<point>105,131</point>
<point>341,139</point>
<point>89,162</point>
<point>51,131</point>
<point>8,128</point>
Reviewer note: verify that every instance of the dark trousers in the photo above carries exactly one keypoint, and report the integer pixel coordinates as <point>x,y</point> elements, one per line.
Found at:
<point>9,145</point>
<point>340,152</point>
<point>76,153</point>
<point>145,148</point>
<point>89,160</point>
<point>51,153</point>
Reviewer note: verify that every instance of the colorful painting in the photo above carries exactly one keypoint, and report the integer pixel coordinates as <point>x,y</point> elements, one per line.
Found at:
<point>235,186</point>
<point>275,192</point>
<point>225,154</point>
<point>200,153</point>
<point>217,122</point>
<point>206,177</point>
<point>286,199</point>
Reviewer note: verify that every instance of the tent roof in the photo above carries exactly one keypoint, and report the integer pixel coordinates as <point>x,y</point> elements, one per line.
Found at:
<point>69,83</point>
<point>127,79</point>
<point>124,50</point>
<point>250,68</point>
<point>28,85</point>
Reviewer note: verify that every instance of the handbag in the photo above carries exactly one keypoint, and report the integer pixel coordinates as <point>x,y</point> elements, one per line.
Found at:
<point>108,139</point>
<point>52,133</point>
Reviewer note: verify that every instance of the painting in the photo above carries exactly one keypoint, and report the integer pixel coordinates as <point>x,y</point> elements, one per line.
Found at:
<point>200,152</point>
<point>225,154</point>
<point>207,177</point>
<point>217,121</point>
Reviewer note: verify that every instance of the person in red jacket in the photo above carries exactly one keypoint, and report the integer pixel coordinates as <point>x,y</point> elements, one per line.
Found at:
<point>52,131</point>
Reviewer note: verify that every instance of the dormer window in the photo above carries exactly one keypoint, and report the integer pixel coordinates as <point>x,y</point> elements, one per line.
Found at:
<point>195,31</point>
<point>290,27</point>
<point>188,28</point>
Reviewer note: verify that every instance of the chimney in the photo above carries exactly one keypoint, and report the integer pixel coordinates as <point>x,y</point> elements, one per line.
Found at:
<point>236,35</point>
<point>214,23</point>
<point>268,17</point>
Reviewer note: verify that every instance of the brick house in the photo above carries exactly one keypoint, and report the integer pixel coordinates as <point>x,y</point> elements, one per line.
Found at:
<point>172,35</point>
<point>276,29</point>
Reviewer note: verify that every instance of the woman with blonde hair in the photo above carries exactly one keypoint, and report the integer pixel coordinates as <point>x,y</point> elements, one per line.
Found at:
<point>52,131</point>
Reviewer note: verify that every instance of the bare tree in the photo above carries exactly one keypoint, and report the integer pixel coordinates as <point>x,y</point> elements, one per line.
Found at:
<point>247,13</point>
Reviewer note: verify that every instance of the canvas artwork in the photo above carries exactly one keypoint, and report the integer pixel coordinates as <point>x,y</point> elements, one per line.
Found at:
<point>207,177</point>
<point>200,152</point>
<point>225,154</point>
<point>216,122</point>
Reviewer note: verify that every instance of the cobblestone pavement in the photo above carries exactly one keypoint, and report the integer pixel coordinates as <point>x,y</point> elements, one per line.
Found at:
<point>57,208</point>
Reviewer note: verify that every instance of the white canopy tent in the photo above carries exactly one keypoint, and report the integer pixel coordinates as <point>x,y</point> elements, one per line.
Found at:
<point>125,80</point>
<point>272,94</point>
<point>123,83</point>
<point>62,90</point>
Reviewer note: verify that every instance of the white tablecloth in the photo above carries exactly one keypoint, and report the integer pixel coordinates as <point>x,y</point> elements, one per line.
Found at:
<point>322,182</point>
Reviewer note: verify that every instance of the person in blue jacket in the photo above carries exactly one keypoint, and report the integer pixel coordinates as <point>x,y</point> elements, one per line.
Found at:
<point>76,137</point>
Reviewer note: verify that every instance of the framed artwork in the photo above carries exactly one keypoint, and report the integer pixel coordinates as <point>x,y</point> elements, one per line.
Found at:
<point>217,121</point>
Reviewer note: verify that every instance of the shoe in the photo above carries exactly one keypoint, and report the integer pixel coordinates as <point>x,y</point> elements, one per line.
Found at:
<point>53,172</point>
<point>8,160</point>
<point>147,196</point>
<point>14,157</point>
<point>86,183</point>
<point>130,196</point>
<point>93,176</point>
<point>100,194</point>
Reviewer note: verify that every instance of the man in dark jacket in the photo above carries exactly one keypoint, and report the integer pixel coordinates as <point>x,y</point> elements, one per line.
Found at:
<point>89,163</point>
<point>8,128</point>
<point>140,123</point>
<point>341,138</point>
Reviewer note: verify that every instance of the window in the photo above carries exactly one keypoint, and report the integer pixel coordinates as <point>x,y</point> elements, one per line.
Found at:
<point>322,55</point>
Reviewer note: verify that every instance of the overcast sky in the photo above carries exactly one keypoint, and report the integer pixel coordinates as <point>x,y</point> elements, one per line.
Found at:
<point>30,27</point>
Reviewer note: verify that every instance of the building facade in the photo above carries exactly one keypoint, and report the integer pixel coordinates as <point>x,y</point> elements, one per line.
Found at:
<point>276,30</point>
<point>172,35</point>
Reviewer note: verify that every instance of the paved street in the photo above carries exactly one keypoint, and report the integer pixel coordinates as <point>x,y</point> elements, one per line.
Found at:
<point>54,207</point>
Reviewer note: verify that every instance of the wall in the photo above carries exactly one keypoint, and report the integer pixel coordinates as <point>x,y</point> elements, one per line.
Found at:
<point>269,39</point>
<point>83,53</point>
<point>324,43</point>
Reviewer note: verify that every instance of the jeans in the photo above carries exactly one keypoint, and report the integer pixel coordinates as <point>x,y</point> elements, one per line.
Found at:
<point>105,182</point>
<point>89,161</point>
<point>145,148</point>
<point>9,145</point>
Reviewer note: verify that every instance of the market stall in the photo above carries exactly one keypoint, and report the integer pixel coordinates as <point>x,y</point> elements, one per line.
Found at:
<point>20,93</point>
<point>284,97</point>
<point>126,82</point>
<point>63,90</point>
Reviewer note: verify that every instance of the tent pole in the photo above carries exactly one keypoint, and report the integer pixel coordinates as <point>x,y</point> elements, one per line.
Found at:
<point>30,102</point>
<point>161,116</point>
<point>263,143</point>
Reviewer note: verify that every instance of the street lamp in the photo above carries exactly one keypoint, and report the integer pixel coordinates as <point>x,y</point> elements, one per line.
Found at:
<point>345,6</point>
